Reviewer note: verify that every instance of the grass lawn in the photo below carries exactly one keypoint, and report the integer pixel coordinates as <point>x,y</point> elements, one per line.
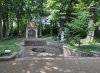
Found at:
<point>86,47</point>
<point>10,44</point>
<point>53,38</point>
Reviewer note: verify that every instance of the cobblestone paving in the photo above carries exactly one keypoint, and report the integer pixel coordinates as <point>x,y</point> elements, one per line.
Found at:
<point>67,65</point>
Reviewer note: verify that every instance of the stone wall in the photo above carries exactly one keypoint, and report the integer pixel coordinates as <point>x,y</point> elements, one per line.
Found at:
<point>35,42</point>
<point>95,54</point>
<point>74,52</point>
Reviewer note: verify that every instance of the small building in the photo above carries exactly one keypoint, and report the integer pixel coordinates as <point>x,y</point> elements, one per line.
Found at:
<point>31,30</point>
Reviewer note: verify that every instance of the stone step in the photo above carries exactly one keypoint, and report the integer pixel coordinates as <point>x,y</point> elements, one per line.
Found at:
<point>35,42</point>
<point>57,58</point>
<point>41,58</point>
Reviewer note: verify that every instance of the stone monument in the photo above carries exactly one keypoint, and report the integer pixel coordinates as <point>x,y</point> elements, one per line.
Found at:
<point>31,30</point>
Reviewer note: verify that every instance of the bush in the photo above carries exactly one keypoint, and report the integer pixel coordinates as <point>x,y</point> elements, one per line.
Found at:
<point>2,53</point>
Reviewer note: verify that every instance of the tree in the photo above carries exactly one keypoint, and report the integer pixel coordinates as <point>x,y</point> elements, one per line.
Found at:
<point>78,26</point>
<point>90,35</point>
<point>1,35</point>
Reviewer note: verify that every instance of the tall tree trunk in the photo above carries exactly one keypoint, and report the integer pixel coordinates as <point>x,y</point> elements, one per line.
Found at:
<point>11,23</point>
<point>5,25</point>
<point>90,35</point>
<point>40,26</point>
<point>51,32</point>
<point>18,16</point>
<point>18,27</point>
<point>4,28</point>
<point>1,35</point>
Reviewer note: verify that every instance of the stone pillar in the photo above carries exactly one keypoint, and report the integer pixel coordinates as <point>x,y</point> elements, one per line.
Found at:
<point>26,33</point>
<point>36,33</point>
<point>62,36</point>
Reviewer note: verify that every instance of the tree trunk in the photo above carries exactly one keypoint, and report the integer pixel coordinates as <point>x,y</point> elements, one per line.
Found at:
<point>18,27</point>
<point>90,35</point>
<point>40,27</point>
<point>5,25</point>
<point>11,23</point>
<point>51,32</point>
<point>1,35</point>
<point>4,28</point>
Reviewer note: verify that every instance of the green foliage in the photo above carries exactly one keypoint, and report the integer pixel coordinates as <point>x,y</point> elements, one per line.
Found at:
<point>97,23</point>
<point>75,40</point>
<point>76,13</point>
<point>79,23</point>
<point>46,29</point>
<point>78,26</point>
<point>67,34</point>
<point>55,7</point>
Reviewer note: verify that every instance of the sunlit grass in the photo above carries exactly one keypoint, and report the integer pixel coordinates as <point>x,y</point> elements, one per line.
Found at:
<point>50,38</point>
<point>87,46</point>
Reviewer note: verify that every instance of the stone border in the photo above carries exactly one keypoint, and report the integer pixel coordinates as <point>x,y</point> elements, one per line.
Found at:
<point>74,52</point>
<point>20,52</point>
<point>7,58</point>
<point>22,49</point>
<point>95,54</point>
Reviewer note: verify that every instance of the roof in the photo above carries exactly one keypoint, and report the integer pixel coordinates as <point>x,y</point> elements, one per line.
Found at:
<point>31,25</point>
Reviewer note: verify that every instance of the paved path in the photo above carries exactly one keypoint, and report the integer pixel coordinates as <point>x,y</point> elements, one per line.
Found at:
<point>67,65</point>
<point>51,65</point>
